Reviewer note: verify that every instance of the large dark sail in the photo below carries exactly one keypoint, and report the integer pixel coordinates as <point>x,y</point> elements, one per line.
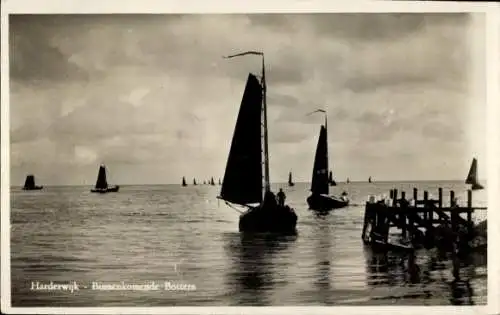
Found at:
<point>472,176</point>
<point>242,182</point>
<point>184,182</point>
<point>290,181</point>
<point>101,182</point>
<point>319,183</point>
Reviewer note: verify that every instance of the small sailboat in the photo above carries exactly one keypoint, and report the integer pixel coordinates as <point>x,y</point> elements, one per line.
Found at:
<point>29,183</point>
<point>319,198</point>
<point>370,179</point>
<point>204,182</point>
<point>194,182</point>
<point>347,181</point>
<point>212,181</point>
<point>331,181</point>
<point>290,181</point>
<point>101,185</point>
<point>219,182</point>
<point>472,176</point>
<point>184,182</point>
<point>242,184</point>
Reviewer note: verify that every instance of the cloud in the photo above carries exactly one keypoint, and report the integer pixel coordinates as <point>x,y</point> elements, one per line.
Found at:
<point>153,93</point>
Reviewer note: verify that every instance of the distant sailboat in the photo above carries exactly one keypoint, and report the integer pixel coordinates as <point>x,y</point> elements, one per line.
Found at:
<point>29,183</point>
<point>184,182</point>
<point>194,182</point>
<point>319,198</point>
<point>212,181</point>
<point>242,184</point>
<point>204,182</point>
<point>472,176</point>
<point>290,181</point>
<point>219,182</point>
<point>348,181</point>
<point>370,179</point>
<point>101,185</point>
<point>331,181</point>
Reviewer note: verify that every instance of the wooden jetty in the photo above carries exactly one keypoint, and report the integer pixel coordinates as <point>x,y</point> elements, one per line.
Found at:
<point>423,223</point>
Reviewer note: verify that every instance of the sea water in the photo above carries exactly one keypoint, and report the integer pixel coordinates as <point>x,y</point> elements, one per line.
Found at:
<point>180,246</point>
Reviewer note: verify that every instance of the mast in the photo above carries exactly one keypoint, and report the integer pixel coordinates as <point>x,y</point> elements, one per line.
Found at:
<point>265,149</point>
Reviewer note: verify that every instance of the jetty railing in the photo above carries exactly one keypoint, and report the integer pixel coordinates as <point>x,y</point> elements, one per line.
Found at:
<point>423,222</point>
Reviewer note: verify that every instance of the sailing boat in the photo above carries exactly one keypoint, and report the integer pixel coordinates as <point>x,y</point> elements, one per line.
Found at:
<point>29,183</point>
<point>370,179</point>
<point>319,198</point>
<point>184,181</point>
<point>242,184</point>
<point>194,182</point>
<point>101,185</point>
<point>212,181</point>
<point>290,182</point>
<point>219,182</point>
<point>331,181</point>
<point>472,176</point>
<point>348,181</point>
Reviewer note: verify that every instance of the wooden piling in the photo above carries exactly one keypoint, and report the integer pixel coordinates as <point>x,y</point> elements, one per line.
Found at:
<point>470,227</point>
<point>403,214</point>
<point>440,196</point>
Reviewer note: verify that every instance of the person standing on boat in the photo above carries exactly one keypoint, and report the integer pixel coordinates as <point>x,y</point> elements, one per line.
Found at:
<point>281,198</point>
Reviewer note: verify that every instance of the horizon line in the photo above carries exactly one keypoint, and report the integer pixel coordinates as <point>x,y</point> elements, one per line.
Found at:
<point>277,183</point>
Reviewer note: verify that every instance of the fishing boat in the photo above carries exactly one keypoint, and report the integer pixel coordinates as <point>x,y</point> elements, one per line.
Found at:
<point>245,183</point>
<point>472,176</point>
<point>212,181</point>
<point>29,183</point>
<point>194,182</point>
<point>370,179</point>
<point>184,182</point>
<point>204,182</point>
<point>290,181</point>
<point>347,181</point>
<point>101,185</point>
<point>320,199</point>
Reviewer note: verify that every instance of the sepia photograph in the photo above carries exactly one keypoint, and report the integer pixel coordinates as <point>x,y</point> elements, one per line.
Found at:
<point>247,159</point>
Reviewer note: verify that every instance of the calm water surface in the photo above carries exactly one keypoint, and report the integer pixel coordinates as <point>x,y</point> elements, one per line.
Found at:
<point>185,235</point>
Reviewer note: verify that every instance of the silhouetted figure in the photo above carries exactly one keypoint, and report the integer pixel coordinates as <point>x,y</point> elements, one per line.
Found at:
<point>281,198</point>
<point>269,200</point>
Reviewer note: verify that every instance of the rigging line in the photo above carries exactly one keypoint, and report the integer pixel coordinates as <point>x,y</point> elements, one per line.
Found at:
<point>230,206</point>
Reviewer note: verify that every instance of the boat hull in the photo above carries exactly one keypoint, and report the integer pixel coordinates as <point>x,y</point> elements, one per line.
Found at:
<point>325,203</point>
<point>107,190</point>
<point>270,219</point>
<point>33,188</point>
<point>477,186</point>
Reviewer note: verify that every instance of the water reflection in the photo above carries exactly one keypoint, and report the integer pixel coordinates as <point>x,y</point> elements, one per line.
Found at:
<point>253,273</point>
<point>432,277</point>
<point>323,244</point>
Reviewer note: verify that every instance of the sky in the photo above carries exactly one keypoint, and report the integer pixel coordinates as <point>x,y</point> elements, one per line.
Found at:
<point>152,98</point>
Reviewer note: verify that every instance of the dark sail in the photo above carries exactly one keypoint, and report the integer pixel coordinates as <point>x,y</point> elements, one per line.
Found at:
<point>242,182</point>
<point>29,183</point>
<point>319,183</point>
<point>184,181</point>
<point>290,178</point>
<point>194,181</point>
<point>472,176</point>
<point>212,181</point>
<point>101,182</point>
